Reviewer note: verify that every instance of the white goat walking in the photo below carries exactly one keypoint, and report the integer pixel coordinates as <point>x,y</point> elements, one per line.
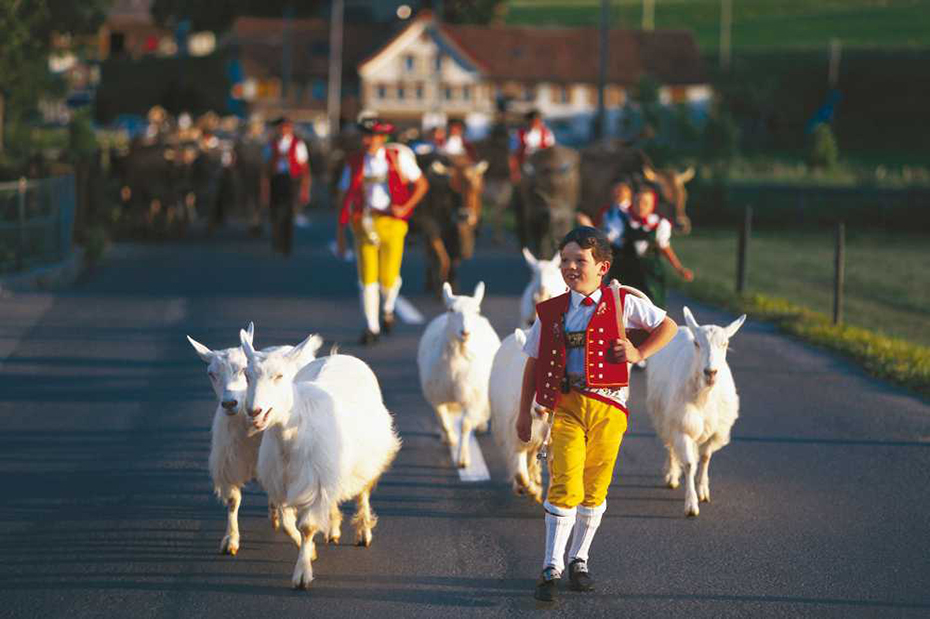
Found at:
<point>523,469</point>
<point>692,400</point>
<point>454,358</point>
<point>234,454</point>
<point>547,282</point>
<point>325,441</point>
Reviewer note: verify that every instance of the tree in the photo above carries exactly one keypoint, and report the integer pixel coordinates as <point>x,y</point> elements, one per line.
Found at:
<point>219,15</point>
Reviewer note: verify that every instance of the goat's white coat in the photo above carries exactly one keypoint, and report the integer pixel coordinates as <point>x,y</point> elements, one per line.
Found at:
<point>233,453</point>
<point>455,369</point>
<point>327,438</point>
<point>692,400</point>
<point>523,469</point>
<point>546,282</point>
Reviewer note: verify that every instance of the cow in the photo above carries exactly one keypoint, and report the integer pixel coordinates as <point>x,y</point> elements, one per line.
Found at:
<point>603,165</point>
<point>550,190</point>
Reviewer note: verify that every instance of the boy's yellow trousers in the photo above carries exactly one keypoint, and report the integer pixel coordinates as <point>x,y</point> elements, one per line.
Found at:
<point>586,437</point>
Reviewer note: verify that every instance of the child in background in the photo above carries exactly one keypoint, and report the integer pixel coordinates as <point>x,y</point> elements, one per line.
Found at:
<point>647,240</point>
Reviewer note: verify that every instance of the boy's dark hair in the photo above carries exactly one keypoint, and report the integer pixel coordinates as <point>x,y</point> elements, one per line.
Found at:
<point>589,238</point>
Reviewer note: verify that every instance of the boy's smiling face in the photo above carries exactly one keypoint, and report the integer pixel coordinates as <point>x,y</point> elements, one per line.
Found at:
<point>580,270</point>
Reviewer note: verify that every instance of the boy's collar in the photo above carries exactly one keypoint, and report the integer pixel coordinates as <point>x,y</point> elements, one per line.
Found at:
<point>576,298</point>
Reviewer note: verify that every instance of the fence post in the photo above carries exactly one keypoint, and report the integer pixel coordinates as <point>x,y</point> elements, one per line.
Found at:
<point>839,273</point>
<point>21,220</point>
<point>742,251</point>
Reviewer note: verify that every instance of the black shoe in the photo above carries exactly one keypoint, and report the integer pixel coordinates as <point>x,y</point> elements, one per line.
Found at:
<point>387,323</point>
<point>548,586</point>
<point>368,338</point>
<point>578,577</point>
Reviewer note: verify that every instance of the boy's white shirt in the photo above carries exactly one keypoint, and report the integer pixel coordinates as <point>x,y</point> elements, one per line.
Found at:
<point>637,313</point>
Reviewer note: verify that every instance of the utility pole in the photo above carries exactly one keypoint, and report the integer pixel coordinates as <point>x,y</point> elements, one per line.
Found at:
<point>649,15</point>
<point>334,88</point>
<point>835,51</point>
<point>600,121</point>
<point>286,54</point>
<point>437,67</point>
<point>726,24</point>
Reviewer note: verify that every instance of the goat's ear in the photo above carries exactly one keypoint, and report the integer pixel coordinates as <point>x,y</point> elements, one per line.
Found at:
<point>305,352</point>
<point>246,341</point>
<point>520,336</point>
<point>734,326</point>
<point>250,331</point>
<point>447,297</point>
<point>557,259</point>
<point>479,293</point>
<point>689,319</point>
<point>205,353</point>
<point>530,258</point>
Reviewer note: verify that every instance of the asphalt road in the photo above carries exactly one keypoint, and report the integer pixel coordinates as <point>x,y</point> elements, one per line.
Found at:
<point>821,503</point>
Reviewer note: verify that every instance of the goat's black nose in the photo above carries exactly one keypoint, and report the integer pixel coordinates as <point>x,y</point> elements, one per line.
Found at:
<point>229,404</point>
<point>710,374</point>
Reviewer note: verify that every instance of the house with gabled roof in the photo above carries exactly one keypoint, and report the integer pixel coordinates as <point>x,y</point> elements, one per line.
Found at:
<point>463,71</point>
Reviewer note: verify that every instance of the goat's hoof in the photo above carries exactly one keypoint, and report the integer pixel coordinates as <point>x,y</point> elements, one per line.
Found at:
<point>229,546</point>
<point>333,540</point>
<point>363,540</point>
<point>302,582</point>
<point>672,484</point>
<point>692,512</point>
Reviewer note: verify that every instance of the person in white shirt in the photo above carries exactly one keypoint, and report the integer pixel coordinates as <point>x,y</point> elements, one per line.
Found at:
<point>381,186</point>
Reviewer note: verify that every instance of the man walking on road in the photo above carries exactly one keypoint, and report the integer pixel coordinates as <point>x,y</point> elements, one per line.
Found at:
<point>381,185</point>
<point>287,180</point>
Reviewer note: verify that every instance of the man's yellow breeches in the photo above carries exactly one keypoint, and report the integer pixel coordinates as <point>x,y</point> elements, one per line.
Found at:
<point>586,437</point>
<point>381,263</point>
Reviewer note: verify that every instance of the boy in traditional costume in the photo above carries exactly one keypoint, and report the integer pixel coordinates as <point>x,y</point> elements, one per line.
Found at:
<point>578,371</point>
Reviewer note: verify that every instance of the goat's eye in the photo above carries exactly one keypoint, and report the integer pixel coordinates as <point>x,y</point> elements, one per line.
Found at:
<point>279,376</point>
<point>212,375</point>
<point>696,344</point>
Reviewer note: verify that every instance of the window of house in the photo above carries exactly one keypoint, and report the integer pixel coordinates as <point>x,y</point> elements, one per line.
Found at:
<point>529,93</point>
<point>614,96</point>
<point>401,92</point>
<point>561,94</point>
<point>466,93</point>
<point>438,63</point>
<point>449,93</point>
<point>382,91</point>
<point>409,62</point>
<point>419,91</point>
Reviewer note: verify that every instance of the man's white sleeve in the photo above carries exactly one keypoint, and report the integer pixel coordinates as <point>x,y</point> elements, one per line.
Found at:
<point>300,152</point>
<point>531,347</point>
<point>408,165</point>
<point>641,314</point>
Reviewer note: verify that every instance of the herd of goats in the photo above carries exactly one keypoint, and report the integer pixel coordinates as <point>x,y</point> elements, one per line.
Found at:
<point>315,432</point>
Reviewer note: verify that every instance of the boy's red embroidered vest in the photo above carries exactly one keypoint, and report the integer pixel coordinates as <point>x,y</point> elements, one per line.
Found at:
<point>601,332</point>
<point>354,201</point>
<point>296,168</point>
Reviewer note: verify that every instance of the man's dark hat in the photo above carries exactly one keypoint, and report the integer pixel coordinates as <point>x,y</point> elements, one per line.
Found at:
<point>375,125</point>
<point>280,120</point>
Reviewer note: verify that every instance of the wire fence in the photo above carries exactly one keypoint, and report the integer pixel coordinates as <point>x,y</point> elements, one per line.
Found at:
<point>36,222</point>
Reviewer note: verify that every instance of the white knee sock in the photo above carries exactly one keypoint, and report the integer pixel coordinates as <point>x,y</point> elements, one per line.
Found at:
<point>586,524</point>
<point>369,294</point>
<point>389,296</point>
<point>559,523</point>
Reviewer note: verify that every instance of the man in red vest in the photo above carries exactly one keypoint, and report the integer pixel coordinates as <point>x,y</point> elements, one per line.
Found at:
<point>381,185</point>
<point>287,180</point>
<point>578,369</point>
<point>533,137</point>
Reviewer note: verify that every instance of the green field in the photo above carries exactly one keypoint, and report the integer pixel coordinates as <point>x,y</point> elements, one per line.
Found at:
<point>757,24</point>
<point>887,275</point>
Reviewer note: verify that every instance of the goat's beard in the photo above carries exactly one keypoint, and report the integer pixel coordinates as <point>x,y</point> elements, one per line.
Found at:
<point>465,351</point>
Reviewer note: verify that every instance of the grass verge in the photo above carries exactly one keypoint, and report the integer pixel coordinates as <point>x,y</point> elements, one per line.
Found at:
<point>894,359</point>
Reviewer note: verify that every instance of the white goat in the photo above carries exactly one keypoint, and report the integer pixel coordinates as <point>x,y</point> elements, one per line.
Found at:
<point>504,389</point>
<point>692,400</point>
<point>454,358</point>
<point>547,282</point>
<point>233,454</point>
<point>325,441</point>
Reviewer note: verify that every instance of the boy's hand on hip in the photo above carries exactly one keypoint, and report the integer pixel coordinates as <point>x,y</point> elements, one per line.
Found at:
<point>623,351</point>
